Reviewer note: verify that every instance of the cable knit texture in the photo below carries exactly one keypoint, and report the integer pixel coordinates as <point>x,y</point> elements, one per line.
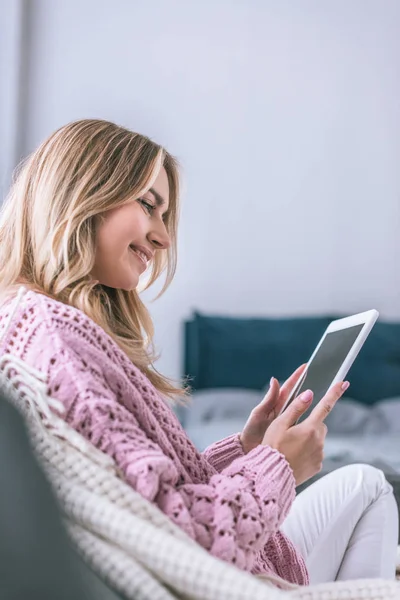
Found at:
<point>232,504</point>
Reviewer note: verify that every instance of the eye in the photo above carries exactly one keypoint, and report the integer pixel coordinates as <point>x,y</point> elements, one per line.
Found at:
<point>150,208</point>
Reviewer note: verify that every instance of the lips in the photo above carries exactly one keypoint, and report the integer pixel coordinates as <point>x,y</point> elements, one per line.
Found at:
<point>140,254</point>
<point>143,254</point>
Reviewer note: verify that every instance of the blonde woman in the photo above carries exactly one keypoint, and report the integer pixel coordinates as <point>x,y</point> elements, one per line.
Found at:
<point>92,209</point>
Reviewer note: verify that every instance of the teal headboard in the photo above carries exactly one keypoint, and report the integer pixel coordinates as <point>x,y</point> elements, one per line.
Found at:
<point>245,353</point>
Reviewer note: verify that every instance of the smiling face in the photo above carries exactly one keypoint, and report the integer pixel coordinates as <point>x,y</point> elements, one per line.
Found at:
<point>128,236</point>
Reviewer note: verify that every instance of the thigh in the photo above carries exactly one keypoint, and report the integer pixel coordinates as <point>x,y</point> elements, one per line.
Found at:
<point>323,518</point>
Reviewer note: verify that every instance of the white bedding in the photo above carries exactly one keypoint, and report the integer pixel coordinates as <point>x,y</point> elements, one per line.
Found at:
<point>356,433</point>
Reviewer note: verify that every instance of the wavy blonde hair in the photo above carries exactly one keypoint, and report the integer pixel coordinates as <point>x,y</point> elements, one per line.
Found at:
<point>48,226</point>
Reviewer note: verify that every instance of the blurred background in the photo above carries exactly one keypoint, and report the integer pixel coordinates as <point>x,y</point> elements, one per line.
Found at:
<point>285,117</point>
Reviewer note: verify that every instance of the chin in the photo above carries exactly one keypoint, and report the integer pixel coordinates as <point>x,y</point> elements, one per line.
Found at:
<point>122,283</point>
<point>127,287</point>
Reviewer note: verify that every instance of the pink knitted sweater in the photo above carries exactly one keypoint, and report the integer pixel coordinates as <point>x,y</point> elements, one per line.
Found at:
<point>232,504</point>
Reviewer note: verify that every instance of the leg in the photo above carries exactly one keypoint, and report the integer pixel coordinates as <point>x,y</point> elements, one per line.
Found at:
<point>346,525</point>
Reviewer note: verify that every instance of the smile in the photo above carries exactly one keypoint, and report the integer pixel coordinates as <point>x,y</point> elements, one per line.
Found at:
<point>142,256</point>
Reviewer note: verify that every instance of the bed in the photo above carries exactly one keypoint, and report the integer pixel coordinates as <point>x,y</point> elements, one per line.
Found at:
<point>228,360</point>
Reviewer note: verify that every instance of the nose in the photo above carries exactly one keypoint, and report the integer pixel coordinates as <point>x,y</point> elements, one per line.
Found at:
<point>159,237</point>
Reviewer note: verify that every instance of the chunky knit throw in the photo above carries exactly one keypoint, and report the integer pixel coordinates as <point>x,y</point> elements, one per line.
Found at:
<point>122,535</point>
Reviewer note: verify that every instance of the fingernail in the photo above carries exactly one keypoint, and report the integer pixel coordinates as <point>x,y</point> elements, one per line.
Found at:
<point>271,382</point>
<point>345,386</point>
<point>306,396</point>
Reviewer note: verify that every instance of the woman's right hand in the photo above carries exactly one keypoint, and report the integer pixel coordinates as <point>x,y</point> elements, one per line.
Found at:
<point>303,444</point>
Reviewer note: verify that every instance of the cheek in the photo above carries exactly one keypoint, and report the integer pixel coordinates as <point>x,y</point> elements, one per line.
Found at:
<point>119,228</point>
<point>114,265</point>
<point>113,237</point>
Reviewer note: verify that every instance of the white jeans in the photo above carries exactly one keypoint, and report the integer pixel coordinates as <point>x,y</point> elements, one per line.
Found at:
<point>346,525</point>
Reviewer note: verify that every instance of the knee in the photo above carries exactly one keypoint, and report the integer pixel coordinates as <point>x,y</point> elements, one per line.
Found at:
<point>371,480</point>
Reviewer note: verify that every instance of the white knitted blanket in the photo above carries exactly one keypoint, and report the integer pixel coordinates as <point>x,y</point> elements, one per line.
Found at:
<point>134,547</point>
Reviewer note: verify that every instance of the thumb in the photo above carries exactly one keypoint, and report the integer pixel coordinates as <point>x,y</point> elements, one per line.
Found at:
<point>271,397</point>
<point>297,408</point>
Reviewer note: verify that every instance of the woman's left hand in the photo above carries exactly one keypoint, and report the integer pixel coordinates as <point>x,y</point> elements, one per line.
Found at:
<point>269,408</point>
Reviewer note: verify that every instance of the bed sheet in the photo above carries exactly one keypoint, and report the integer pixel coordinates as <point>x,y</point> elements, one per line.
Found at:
<point>356,433</point>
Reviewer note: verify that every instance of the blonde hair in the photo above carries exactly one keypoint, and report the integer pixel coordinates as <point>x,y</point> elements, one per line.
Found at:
<point>48,224</point>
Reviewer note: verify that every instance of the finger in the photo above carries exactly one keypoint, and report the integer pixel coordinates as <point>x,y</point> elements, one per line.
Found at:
<point>293,379</point>
<point>324,407</point>
<point>290,383</point>
<point>271,397</point>
<point>297,408</point>
<point>322,430</point>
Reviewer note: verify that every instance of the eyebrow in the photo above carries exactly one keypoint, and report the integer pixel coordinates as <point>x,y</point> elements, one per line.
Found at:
<point>159,199</point>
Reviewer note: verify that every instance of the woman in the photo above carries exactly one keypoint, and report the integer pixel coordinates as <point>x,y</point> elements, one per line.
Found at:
<point>92,209</point>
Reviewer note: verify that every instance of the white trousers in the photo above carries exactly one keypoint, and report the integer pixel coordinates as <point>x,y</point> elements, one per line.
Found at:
<point>346,525</point>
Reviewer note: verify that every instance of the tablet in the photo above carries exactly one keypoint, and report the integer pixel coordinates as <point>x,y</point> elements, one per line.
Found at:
<point>333,356</point>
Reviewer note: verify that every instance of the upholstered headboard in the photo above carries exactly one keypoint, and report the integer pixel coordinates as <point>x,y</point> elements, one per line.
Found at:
<point>233,352</point>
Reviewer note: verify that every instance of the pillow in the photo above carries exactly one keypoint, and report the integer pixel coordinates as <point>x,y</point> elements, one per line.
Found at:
<point>220,405</point>
<point>245,353</point>
<point>225,352</point>
<point>205,435</point>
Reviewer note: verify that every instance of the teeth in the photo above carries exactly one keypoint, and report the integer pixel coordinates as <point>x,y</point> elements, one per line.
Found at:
<point>139,253</point>
<point>142,255</point>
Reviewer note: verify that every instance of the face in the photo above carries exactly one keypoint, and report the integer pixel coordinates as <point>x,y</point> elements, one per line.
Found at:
<point>128,236</point>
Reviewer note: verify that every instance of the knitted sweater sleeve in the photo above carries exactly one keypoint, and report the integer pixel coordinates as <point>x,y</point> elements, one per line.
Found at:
<point>233,515</point>
<point>221,454</point>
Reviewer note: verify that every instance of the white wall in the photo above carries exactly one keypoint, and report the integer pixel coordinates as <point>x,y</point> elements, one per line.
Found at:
<point>11,45</point>
<point>286,118</point>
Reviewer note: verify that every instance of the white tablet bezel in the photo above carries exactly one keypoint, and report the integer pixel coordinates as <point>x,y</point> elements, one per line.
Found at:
<point>368,319</point>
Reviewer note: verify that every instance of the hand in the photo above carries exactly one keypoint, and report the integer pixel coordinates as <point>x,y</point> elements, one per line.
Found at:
<point>303,444</point>
<point>269,408</point>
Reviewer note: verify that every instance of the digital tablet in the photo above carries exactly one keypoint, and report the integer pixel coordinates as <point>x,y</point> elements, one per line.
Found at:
<point>333,356</point>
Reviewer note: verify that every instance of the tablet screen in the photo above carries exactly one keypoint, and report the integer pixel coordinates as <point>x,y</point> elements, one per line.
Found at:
<point>326,363</point>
